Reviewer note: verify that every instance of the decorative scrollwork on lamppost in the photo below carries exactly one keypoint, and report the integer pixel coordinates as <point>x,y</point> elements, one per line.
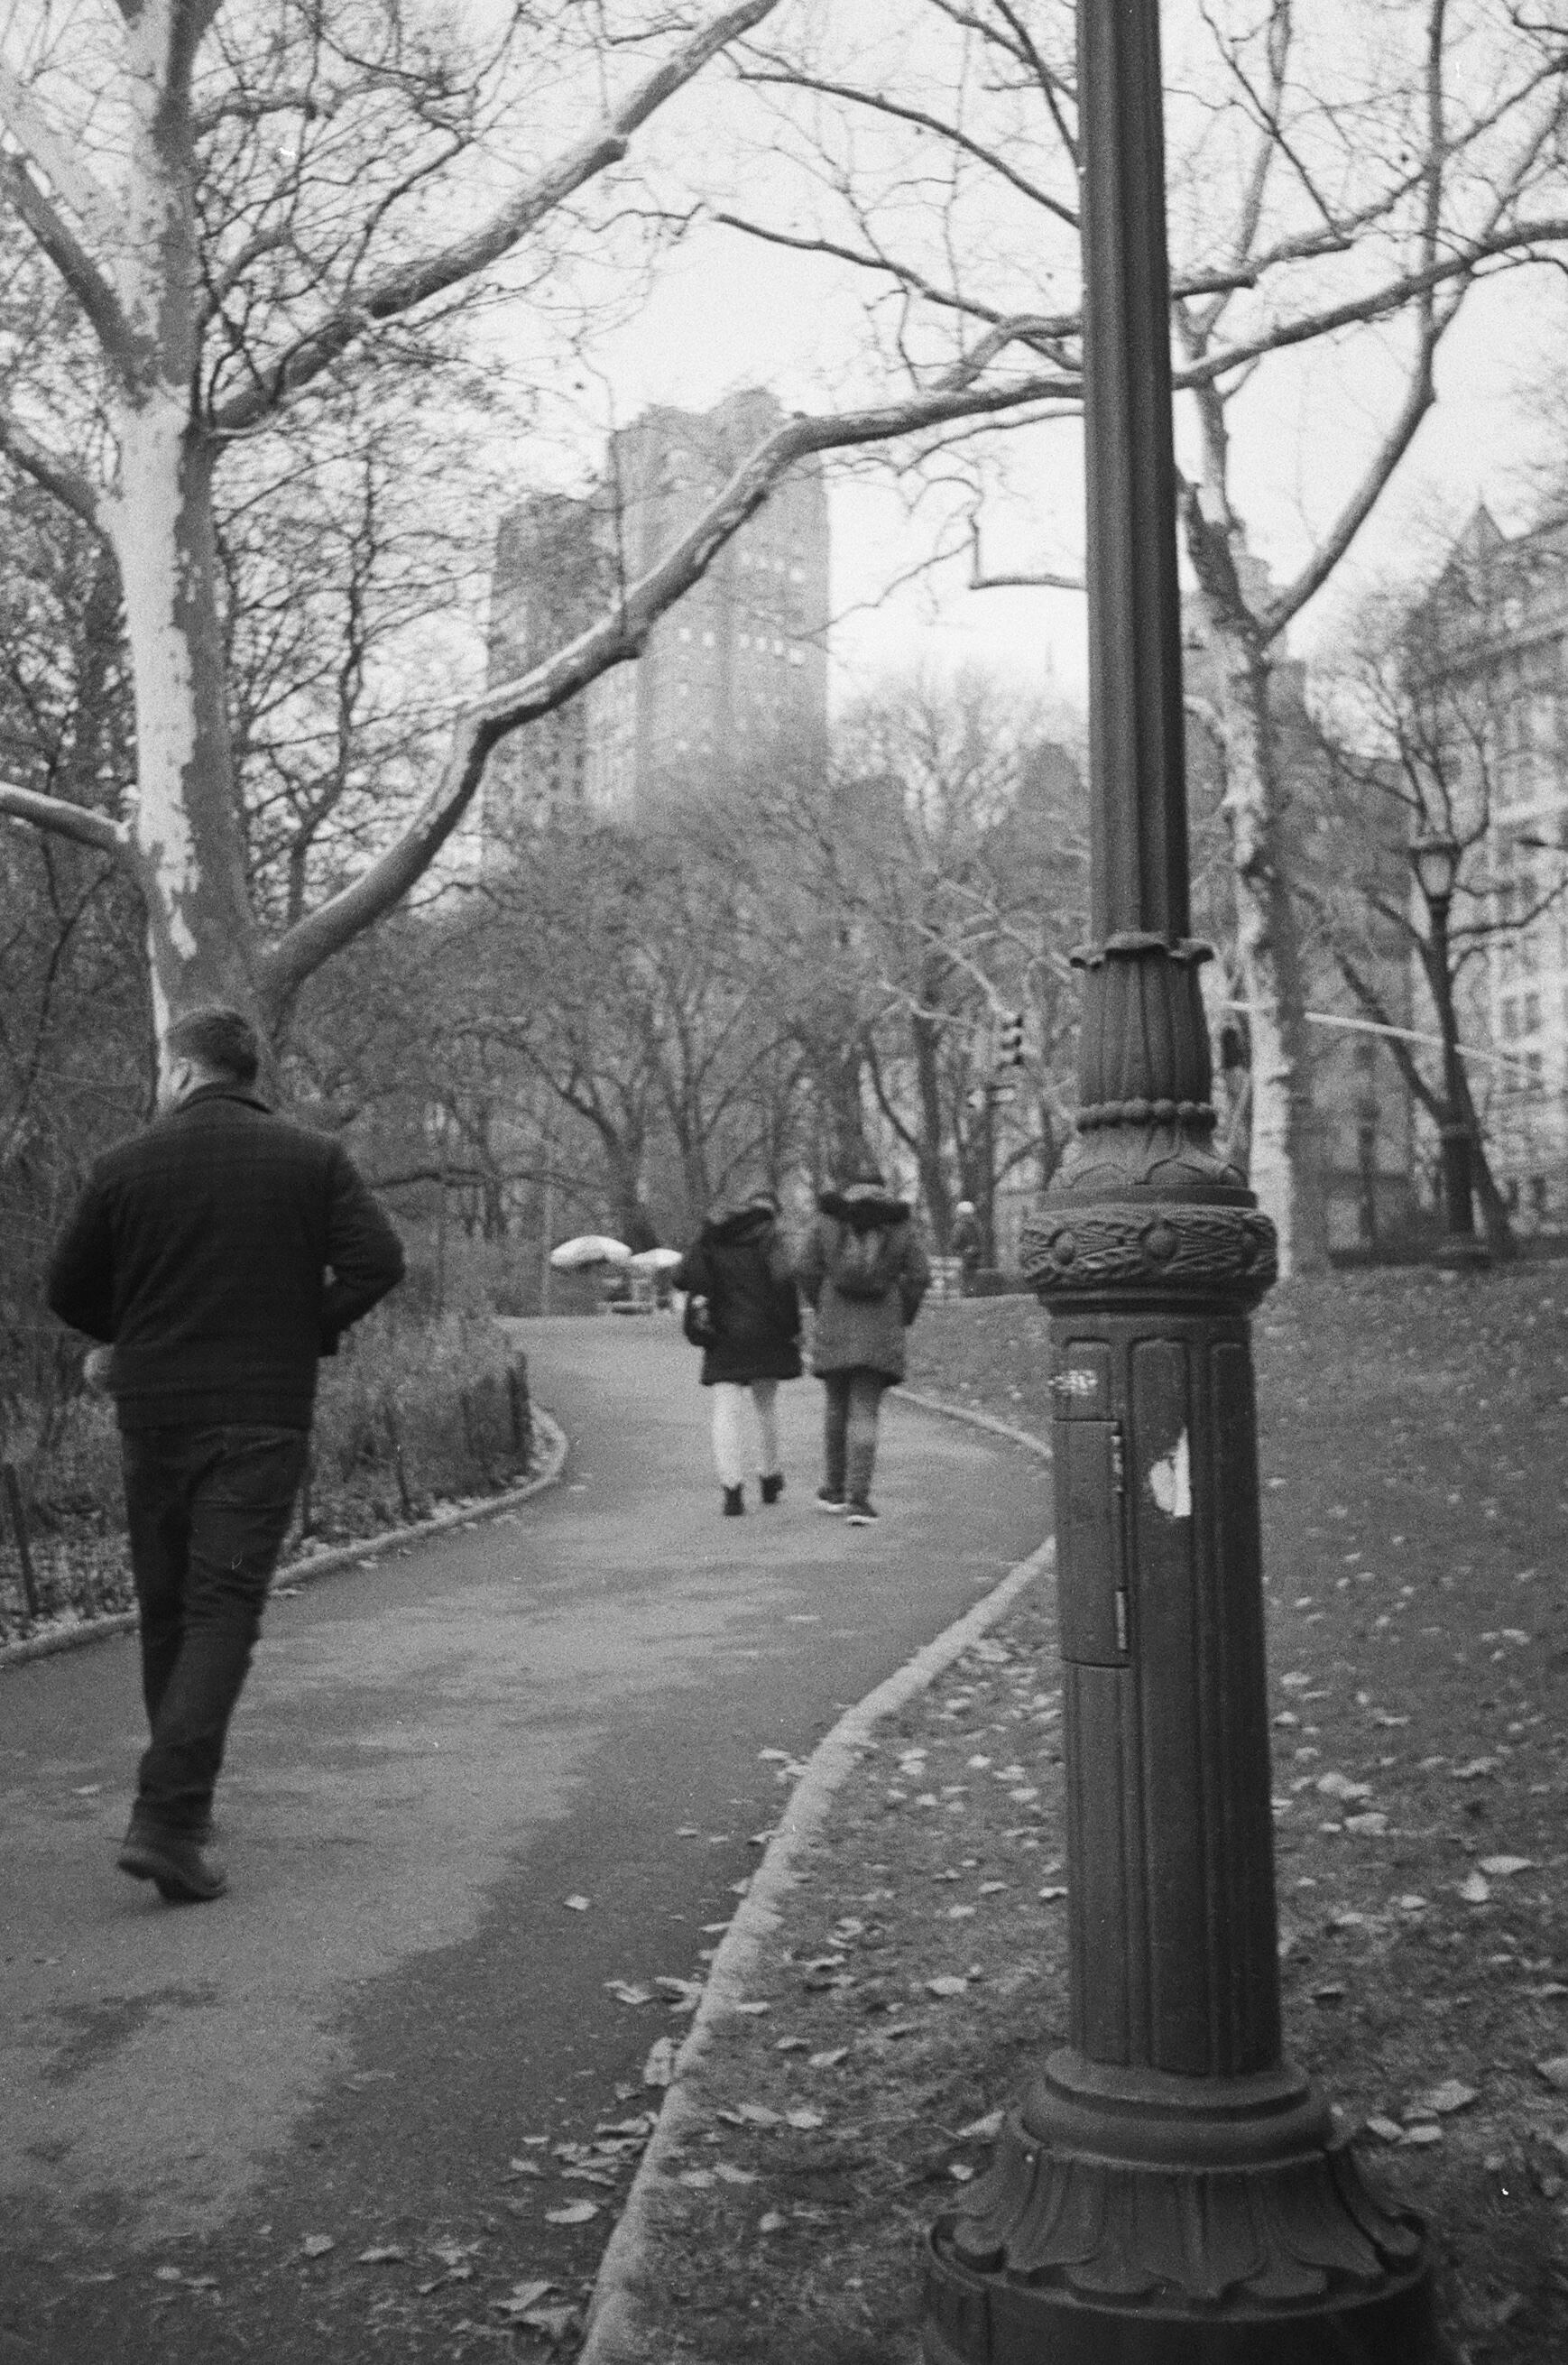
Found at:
<point>1171,2191</point>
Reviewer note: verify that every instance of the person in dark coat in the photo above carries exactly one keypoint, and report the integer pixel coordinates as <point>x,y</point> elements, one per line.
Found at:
<point>967,1242</point>
<point>748,1315</point>
<point>198,1254</point>
<point>865,1272</point>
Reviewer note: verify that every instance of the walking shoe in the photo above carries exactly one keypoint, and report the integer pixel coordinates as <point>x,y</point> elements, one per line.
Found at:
<point>827,1502</point>
<point>734,1502</point>
<point>173,1862</point>
<point>773,1487</point>
<point>861,1515</point>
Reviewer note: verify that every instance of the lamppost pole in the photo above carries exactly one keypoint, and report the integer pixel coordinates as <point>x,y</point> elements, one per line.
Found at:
<point>1436,861</point>
<point>1171,2191</point>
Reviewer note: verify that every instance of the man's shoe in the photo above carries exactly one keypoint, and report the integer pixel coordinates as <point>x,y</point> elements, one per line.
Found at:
<point>734,1502</point>
<point>860,1515</point>
<point>829,1502</point>
<point>174,1861</point>
<point>773,1487</point>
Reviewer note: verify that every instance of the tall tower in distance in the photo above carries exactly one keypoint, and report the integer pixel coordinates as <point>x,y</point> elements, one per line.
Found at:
<point>733,679</point>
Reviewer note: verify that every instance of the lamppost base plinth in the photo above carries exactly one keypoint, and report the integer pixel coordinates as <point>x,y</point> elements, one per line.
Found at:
<point>1463,1252</point>
<point>1133,2218</point>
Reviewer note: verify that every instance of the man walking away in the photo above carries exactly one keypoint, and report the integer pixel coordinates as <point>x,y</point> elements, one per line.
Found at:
<point>866,1273</point>
<point>198,1254</point>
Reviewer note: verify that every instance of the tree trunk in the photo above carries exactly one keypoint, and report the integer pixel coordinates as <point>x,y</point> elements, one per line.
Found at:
<point>1495,1221</point>
<point>932,1173</point>
<point>1285,1170</point>
<point>183,825</point>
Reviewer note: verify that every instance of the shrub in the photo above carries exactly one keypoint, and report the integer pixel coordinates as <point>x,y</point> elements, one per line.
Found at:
<point>408,1413</point>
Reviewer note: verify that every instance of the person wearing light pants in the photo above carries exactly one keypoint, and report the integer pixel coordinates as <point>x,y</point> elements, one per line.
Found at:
<point>745,1314</point>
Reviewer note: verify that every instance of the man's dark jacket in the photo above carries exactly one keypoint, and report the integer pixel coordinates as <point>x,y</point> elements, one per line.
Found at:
<point>200,1251</point>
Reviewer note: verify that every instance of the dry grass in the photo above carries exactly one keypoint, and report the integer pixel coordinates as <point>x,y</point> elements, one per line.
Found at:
<point>1414,1469</point>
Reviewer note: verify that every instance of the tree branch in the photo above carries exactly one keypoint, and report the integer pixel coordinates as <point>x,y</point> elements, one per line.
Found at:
<point>71,486</point>
<point>612,641</point>
<point>69,256</point>
<point>63,820</point>
<point>414,283</point>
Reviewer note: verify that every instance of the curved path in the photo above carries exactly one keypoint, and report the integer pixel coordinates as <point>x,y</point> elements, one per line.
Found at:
<point>433,1755</point>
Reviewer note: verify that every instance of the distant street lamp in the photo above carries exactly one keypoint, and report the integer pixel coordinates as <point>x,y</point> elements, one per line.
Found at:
<point>1171,2191</point>
<point>1435,857</point>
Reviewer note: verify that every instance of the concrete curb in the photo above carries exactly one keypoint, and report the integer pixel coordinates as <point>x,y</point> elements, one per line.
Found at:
<point>305,1572</point>
<point>976,1420</point>
<point>612,2336</point>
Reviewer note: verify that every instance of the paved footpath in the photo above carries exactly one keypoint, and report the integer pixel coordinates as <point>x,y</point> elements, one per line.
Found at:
<point>433,1755</point>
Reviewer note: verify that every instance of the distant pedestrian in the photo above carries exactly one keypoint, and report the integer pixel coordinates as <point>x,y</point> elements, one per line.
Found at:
<point>745,1314</point>
<point>865,1272</point>
<point>967,1242</point>
<point>199,1254</point>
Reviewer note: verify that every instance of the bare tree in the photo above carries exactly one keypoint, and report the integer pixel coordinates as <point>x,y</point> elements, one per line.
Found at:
<point>1338,179</point>
<point>1420,746</point>
<point>249,211</point>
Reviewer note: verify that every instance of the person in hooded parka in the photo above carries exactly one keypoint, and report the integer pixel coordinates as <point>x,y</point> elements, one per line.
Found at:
<point>746,1314</point>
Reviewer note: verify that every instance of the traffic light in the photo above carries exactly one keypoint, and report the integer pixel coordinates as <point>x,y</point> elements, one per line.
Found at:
<point>1012,1051</point>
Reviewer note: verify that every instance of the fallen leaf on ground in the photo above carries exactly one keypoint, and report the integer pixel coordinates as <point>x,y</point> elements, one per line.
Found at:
<point>1556,2072</point>
<point>830,2059</point>
<point>1339,1786</point>
<point>627,1991</point>
<point>575,2213</point>
<point>947,1984</point>
<point>984,2130</point>
<point>316,2246</point>
<point>1449,2097</point>
<point>659,2066</point>
<point>524,2295</point>
<point>803,2118</point>
<point>387,2255</point>
<point>1386,2130</point>
<point>1474,1889</point>
<point>577,1904</point>
<point>1503,1867</point>
<point>771,2222</point>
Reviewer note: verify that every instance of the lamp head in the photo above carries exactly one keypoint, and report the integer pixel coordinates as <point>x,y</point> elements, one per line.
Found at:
<point>1435,855</point>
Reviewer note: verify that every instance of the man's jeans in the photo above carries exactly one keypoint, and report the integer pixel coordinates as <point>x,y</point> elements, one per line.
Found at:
<point>208,1510</point>
<point>849,1431</point>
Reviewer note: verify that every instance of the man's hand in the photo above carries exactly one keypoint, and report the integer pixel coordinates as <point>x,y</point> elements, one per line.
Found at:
<point>95,1369</point>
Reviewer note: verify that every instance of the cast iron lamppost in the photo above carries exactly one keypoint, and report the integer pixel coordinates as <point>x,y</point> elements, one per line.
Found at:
<point>1435,859</point>
<point>1171,2192</point>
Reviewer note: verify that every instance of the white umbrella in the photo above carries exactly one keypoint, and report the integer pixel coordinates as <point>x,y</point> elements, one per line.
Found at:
<point>656,1261</point>
<point>589,1248</point>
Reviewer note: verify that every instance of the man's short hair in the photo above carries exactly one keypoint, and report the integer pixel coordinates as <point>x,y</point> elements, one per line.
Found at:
<point>218,1038</point>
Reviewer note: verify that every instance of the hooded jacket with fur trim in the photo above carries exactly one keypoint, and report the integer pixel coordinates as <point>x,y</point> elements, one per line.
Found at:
<point>740,1265</point>
<point>856,1331</point>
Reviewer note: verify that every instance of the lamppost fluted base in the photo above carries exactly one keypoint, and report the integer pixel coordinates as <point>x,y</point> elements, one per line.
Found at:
<point>1136,2218</point>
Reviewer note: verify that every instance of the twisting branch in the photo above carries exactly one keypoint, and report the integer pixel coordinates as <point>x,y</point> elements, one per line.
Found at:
<point>614,640</point>
<point>413,283</point>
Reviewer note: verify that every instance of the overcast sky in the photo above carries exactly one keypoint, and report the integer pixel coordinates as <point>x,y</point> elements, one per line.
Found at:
<point>725,314</point>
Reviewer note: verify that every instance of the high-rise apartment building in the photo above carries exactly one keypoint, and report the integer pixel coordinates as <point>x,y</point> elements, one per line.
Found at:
<point>731,682</point>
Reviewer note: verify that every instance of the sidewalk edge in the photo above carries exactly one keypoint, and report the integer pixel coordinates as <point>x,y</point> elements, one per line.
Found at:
<point>305,1572</point>
<point>612,2313</point>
